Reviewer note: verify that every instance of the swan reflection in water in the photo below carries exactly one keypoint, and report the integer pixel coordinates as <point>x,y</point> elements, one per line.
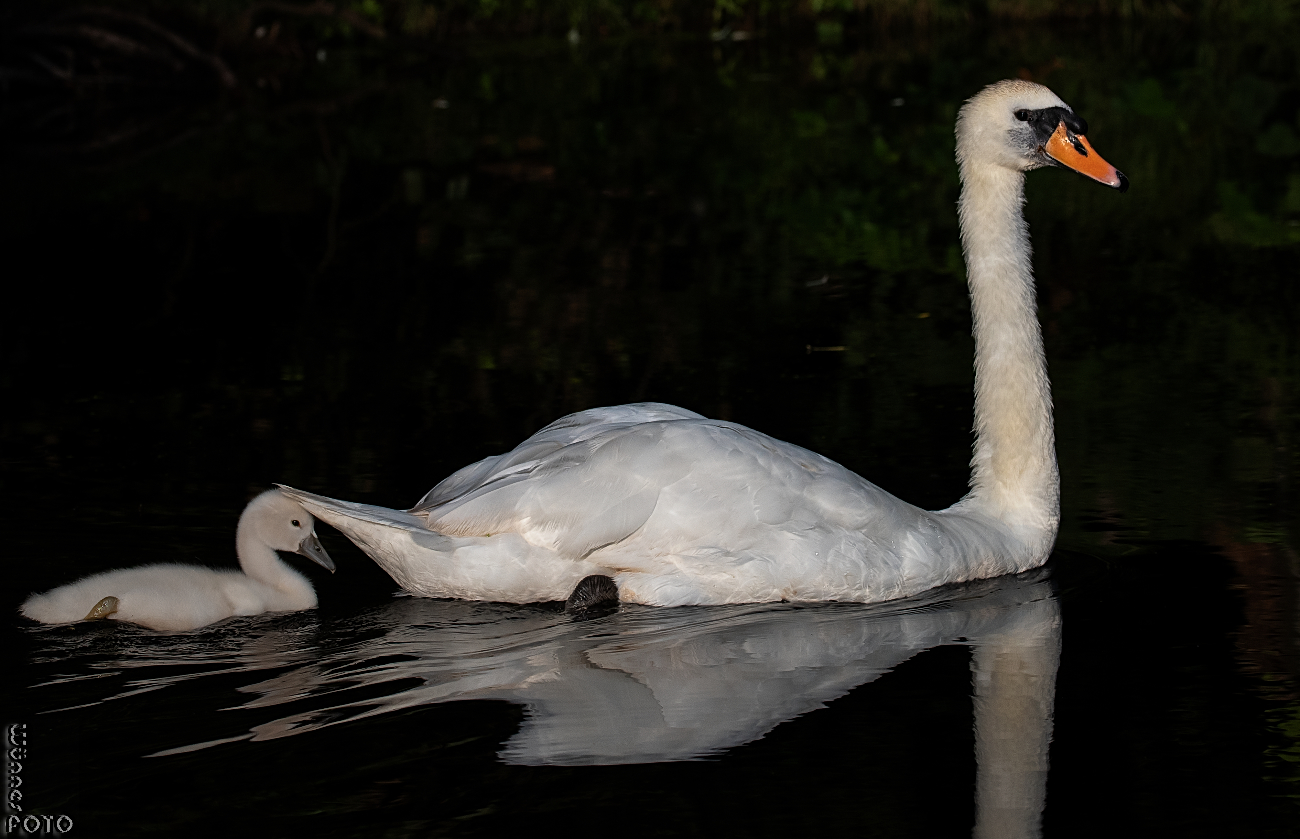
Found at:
<point>649,684</point>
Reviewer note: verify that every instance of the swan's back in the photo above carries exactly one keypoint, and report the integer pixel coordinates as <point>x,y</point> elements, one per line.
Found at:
<point>498,471</point>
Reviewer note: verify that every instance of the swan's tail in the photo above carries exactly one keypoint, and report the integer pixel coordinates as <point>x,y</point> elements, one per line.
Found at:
<point>389,537</point>
<point>502,567</point>
<point>338,512</point>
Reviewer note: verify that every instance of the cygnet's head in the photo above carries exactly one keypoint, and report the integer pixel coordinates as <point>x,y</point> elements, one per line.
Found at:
<point>1021,125</point>
<point>283,524</point>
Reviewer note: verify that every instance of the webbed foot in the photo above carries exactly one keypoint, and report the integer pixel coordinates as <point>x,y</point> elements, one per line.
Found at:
<point>102,609</point>
<point>592,593</point>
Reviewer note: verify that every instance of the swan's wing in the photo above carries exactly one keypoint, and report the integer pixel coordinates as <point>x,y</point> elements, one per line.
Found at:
<point>574,499</point>
<point>501,470</point>
<point>608,480</point>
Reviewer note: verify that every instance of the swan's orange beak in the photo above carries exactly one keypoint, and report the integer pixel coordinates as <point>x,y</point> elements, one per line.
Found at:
<point>1075,152</point>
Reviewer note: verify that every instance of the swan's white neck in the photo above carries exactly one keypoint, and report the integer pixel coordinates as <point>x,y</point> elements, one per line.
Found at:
<point>263,564</point>
<point>1013,471</point>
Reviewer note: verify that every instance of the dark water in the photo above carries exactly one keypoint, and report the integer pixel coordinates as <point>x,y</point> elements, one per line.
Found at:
<point>356,275</point>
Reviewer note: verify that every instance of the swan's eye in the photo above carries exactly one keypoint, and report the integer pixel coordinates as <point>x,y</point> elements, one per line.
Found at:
<point>1022,115</point>
<point>295,523</point>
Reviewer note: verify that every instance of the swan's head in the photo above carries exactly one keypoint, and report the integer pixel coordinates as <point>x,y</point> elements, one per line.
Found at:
<point>283,524</point>
<point>1020,125</point>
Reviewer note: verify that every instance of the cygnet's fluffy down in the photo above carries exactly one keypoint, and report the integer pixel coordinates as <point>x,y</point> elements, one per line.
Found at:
<point>176,597</point>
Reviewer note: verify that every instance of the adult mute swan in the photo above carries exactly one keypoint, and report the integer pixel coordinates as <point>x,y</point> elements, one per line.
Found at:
<point>189,596</point>
<point>677,509</point>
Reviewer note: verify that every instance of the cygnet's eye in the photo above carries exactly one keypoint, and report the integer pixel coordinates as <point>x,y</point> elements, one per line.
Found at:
<point>295,523</point>
<point>1022,115</point>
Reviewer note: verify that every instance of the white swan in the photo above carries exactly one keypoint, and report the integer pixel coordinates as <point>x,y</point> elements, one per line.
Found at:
<point>188,596</point>
<point>677,509</point>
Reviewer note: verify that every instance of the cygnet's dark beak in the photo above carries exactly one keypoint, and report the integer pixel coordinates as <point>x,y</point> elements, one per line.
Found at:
<point>311,548</point>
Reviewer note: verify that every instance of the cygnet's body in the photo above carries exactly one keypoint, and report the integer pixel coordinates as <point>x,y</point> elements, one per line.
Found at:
<point>176,597</point>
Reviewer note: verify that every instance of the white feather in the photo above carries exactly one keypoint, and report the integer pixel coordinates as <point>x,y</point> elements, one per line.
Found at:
<point>175,597</point>
<point>679,509</point>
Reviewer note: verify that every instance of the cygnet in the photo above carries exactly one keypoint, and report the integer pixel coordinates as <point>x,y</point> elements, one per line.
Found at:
<point>177,597</point>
